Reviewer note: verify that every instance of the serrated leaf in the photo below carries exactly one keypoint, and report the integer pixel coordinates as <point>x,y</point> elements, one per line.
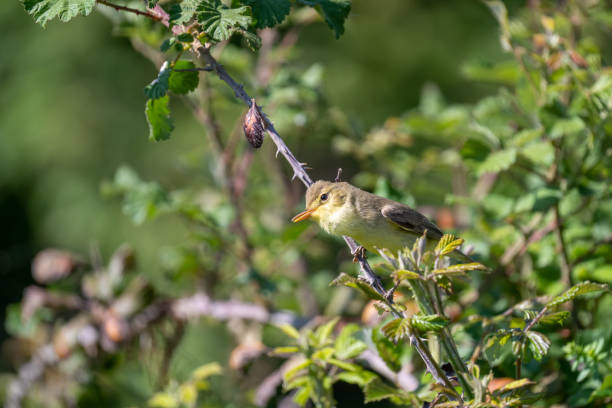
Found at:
<point>425,323</point>
<point>377,390</point>
<point>459,269</point>
<point>335,13</point>
<point>579,289</point>
<point>447,244</point>
<point>357,283</point>
<point>498,161</point>
<point>269,13</point>
<point>289,330</point>
<point>403,274</point>
<point>557,318</point>
<point>250,39</point>
<point>397,329</point>
<point>219,21</point>
<point>44,11</point>
<point>159,86</point>
<point>390,353</point>
<point>182,12</point>
<point>538,344</point>
<point>158,118</point>
<point>523,382</point>
<point>347,346</point>
<point>183,82</point>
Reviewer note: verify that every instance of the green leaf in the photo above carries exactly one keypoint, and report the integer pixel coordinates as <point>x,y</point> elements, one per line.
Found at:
<point>397,329</point>
<point>323,354</point>
<point>159,86</point>
<point>185,81</point>
<point>185,37</point>
<point>554,319</point>
<point>460,269</point>
<point>163,400</point>
<point>567,127</point>
<point>219,21</point>
<point>158,117</point>
<point>285,350</point>
<point>167,44</point>
<point>403,274</point>
<point>335,13</point>
<point>498,161</point>
<point>579,289</point>
<point>269,13</point>
<point>44,11</point>
<point>250,39</point>
<point>359,377</point>
<point>302,396</point>
<point>292,372</point>
<point>323,332</point>
<point>391,353</point>
<point>447,244</point>
<point>347,345</point>
<point>357,283</point>
<point>206,370</point>
<point>425,323</point>
<point>523,382</point>
<point>289,330</point>
<point>538,344</point>
<point>378,390</point>
<point>182,12</point>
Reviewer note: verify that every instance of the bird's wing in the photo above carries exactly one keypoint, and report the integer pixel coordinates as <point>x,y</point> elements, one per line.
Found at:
<point>410,220</point>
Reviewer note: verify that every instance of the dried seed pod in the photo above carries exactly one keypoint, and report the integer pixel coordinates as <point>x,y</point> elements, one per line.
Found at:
<point>254,125</point>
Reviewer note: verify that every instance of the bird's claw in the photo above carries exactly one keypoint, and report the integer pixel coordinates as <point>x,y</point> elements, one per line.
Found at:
<point>359,253</point>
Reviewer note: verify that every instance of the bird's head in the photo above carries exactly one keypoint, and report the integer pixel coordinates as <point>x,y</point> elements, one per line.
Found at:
<point>322,199</point>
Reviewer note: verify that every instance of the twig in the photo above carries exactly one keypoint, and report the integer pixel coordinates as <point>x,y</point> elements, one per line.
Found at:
<point>28,374</point>
<point>131,10</point>
<point>171,346</point>
<point>566,269</point>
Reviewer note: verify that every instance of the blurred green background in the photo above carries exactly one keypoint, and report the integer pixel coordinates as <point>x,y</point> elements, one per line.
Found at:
<point>70,115</point>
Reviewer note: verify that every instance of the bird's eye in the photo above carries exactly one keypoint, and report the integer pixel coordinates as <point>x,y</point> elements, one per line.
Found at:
<point>323,196</point>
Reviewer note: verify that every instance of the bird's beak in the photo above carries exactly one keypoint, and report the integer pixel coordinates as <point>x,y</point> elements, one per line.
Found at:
<point>303,215</point>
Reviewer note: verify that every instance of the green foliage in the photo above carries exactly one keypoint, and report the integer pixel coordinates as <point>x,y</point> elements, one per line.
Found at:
<point>44,11</point>
<point>219,21</point>
<point>158,118</point>
<point>335,12</point>
<point>522,175</point>
<point>269,13</point>
<point>182,82</point>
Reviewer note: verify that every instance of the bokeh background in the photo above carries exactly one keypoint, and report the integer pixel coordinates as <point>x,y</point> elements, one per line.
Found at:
<point>72,113</point>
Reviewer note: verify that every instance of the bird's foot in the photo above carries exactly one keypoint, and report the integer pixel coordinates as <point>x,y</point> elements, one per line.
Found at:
<point>359,252</point>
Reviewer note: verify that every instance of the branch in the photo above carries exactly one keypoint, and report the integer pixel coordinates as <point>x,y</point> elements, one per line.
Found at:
<point>131,10</point>
<point>28,374</point>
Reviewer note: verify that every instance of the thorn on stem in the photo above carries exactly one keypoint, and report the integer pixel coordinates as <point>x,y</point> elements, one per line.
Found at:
<point>337,179</point>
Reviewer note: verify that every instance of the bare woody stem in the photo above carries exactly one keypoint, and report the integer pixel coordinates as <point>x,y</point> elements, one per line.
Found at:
<point>130,10</point>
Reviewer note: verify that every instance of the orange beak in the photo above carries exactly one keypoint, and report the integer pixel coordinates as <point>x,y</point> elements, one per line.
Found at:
<point>303,215</point>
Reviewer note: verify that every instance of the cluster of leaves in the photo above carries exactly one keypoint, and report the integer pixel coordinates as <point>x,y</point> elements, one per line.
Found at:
<point>191,23</point>
<point>318,361</point>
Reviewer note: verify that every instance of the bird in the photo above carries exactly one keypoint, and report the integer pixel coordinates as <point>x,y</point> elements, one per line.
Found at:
<point>374,222</point>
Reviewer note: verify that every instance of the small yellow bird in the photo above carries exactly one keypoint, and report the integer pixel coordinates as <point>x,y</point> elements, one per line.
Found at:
<point>374,222</point>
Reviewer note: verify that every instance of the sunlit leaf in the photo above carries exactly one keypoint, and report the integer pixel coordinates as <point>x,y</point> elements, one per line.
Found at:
<point>459,269</point>
<point>579,289</point>
<point>44,11</point>
<point>425,323</point>
<point>397,329</point>
<point>357,283</point>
